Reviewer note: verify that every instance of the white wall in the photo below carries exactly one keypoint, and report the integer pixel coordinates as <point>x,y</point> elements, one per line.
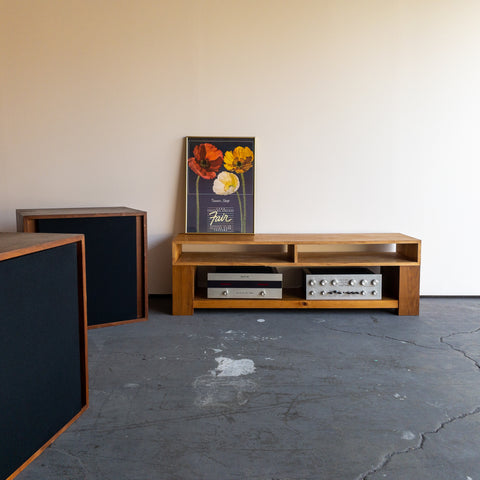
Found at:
<point>366,114</point>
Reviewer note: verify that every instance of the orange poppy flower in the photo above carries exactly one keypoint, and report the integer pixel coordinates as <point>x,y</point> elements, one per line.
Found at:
<point>206,161</point>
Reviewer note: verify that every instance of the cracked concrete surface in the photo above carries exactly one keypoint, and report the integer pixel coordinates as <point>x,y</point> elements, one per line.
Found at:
<point>350,395</point>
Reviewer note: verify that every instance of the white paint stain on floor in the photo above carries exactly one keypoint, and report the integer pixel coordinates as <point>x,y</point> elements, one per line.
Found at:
<point>233,368</point>
<point>226,385</point>
<point>408,435</point>
<point>223,391</point>
<point>264,339</point>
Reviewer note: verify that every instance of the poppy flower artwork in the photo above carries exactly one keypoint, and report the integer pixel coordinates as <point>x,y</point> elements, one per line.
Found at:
<point>220,184</point>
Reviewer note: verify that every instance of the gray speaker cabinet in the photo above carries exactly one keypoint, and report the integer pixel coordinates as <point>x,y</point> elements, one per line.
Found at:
<point>116,250</point>
<point>43,343</point>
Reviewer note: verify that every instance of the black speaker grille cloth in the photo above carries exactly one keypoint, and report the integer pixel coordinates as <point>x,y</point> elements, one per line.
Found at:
<point>40,373</point>
<point>111,256</point>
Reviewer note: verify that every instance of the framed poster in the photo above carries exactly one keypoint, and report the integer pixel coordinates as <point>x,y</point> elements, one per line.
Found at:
<point>220,184</point>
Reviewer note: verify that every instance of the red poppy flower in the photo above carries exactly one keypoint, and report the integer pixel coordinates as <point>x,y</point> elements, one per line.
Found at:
<point>206,161</point>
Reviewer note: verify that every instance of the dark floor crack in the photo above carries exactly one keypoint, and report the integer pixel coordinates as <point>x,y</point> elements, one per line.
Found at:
<point>382,337</point>
<point>419,446</point>
<point>423,436</point>
<point>459,350</point>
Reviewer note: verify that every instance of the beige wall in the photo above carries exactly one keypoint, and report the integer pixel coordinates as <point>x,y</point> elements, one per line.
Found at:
<point>366,114</point>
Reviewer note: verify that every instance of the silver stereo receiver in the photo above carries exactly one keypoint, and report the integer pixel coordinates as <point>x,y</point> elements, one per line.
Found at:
<point>244,282</point>
<point>342,283</point>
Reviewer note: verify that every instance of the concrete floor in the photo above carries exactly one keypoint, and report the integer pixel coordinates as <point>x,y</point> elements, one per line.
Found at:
<point>279,395</point>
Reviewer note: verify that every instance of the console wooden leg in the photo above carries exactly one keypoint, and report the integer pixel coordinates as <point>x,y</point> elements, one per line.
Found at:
<point>409,290</point>
<point>183,289</point>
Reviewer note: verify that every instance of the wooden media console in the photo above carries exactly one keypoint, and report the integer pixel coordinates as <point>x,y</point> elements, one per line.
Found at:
<point>397,256</point>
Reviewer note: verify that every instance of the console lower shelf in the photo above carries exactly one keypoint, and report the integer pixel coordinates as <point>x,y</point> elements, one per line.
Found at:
<point>291,299</point>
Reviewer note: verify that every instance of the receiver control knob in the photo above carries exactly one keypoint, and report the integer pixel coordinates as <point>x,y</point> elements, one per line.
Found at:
<point>311,282</point>
<point>323,292</point>
<point>374,292</point>
<point>263,293</point>
<point>311,292</point>
<point>352,282</point>
<point>363,283</point>
<point>364,292</point>
<point>323,282</point>
<point>374,282</point>
<point>225,293</point>
<point>334,282</point>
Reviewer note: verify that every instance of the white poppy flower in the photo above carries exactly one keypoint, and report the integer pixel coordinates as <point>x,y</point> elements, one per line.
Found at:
<point>226,183</point>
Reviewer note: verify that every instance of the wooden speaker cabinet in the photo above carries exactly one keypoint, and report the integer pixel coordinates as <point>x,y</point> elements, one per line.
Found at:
<point>116,249</point>
<point>43,343</point>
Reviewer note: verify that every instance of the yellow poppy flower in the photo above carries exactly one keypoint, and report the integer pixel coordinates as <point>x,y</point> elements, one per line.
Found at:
<point>226,183</point>
<point>239,161</point>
